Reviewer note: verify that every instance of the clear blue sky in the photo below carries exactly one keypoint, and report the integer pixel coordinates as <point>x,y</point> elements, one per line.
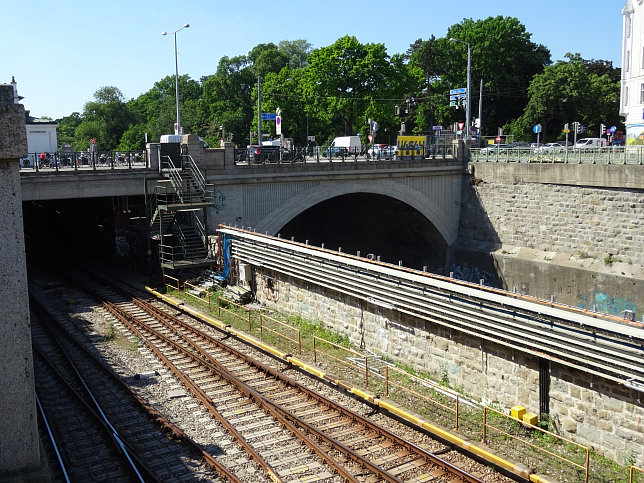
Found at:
<point>62,52</point>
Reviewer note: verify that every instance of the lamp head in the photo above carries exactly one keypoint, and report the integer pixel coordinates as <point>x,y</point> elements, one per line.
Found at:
<point>164,33</point>
<point>186,26</point>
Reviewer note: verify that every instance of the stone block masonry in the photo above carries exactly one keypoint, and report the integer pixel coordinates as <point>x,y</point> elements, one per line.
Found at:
<point>573,231</point>
<point>584,408</point>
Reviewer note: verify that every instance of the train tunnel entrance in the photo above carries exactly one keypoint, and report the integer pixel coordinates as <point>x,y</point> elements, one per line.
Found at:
<point>374,225</point>
<point>107,229</point>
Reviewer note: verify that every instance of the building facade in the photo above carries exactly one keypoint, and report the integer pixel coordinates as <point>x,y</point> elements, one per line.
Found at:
<point>632,95</point>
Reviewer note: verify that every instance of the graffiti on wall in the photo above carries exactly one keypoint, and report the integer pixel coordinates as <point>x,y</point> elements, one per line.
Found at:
<point>466,273</point>
<point>603,302</point>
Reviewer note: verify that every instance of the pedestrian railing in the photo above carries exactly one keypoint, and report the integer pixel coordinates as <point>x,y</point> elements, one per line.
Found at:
<point>84,160</point>
<point>571,155</point>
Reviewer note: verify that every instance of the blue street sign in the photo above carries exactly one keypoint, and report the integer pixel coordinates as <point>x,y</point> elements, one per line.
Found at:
<point>612,129</point>
<point>268,116</point>
<point>462,90</point>
<point>453,98</point>
<point>536,129</point>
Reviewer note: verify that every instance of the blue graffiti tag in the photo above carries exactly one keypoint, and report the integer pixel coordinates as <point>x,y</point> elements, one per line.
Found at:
<point>603,302</point>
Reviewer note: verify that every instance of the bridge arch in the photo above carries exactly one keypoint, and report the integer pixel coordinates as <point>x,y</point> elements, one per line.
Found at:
<point>299,203</point>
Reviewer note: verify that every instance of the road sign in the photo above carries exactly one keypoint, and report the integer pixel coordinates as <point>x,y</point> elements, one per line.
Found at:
<point>612,129</point>
<point>536,129</point>
<point>437,128</point>
<point>268,116</point>
<point>461,90</point>
<point>278,125</point>
<point>453,103</point>
<point>498,139</point>
<point>460,126</point>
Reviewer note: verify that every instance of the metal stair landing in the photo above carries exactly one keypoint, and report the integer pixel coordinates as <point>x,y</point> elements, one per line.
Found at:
<point>177,214</point>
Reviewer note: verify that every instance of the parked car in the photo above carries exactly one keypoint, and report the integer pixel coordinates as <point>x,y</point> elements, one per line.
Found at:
<point>589,143</point>
<point>551,148</point>
<point>374,151</point>
<point>619,142</point>
<point>494,148</point>
<point>388,152</point>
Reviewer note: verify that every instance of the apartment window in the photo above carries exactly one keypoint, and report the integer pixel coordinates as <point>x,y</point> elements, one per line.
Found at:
<point>628,61</point>
<point>626,96</point>
<point>642,94</point>
<point>629,26</point>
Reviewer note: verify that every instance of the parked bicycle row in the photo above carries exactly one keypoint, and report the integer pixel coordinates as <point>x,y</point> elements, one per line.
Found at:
<point>81,159</point>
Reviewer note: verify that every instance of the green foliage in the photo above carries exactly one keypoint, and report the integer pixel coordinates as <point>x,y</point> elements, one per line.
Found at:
<point>569,91</point>
<point>334,90</point>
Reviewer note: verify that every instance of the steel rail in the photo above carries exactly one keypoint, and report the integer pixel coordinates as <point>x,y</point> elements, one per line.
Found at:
<point>60,458</point>
<point>152,412</point>
<point>131,322</point>
<point>203,358</point>
<point>604,348</point>
<point>349,414</point>
<point>137,467</point>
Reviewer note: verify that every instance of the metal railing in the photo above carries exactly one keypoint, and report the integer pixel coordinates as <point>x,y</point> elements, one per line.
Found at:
<point>363,370</point>
<point>81,160</point>
<point>510,433</point>
<point>570,155</point>
<point>320,154</point>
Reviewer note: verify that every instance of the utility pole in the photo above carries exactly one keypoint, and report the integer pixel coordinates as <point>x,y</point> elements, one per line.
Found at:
<point>259,110</point>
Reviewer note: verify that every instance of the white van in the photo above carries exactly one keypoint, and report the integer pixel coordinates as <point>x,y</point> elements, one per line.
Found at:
<point>345,145</point>
<point>586,143</point>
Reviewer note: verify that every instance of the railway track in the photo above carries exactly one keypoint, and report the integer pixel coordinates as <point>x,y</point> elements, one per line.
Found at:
<point>287,431</point>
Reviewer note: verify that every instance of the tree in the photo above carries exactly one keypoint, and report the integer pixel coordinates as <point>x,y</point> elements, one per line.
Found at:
<point>67,127</point>
<point>104,119</point>
<point>348,82</point>
<point>266,58</point>
<point>296,52</point>
<point>502,55</point>
<point>566,92</point>
<point>227,99</point>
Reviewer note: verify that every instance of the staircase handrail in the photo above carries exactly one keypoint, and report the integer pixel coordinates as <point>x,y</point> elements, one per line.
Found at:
<point>175,179</point>
<point>199,179</point>
<point>200,230</point>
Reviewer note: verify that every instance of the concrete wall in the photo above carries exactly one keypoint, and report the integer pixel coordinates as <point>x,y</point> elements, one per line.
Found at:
<point>572,230</point>
<point>19,442</point>
<point>584,408</point>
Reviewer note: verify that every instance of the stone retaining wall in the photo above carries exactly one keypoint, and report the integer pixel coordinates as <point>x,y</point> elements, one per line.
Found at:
<point>584,408</point>
<point>573,231</point>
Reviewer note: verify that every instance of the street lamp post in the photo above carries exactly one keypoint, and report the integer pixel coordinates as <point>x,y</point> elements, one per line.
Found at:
<point>176,76</point>
<point>468,106</point>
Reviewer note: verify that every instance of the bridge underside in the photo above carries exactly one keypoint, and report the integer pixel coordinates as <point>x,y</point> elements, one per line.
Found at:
<point>372,224</point>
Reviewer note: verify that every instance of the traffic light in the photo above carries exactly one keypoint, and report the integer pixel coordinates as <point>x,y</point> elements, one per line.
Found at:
<point>602,130</point>
<point>397,110</point>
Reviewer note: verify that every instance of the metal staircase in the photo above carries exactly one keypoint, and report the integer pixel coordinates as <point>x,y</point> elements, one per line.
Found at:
<point>176,210</point>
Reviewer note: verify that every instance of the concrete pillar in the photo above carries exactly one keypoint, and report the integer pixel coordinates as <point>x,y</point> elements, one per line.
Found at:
<point>19,442</point>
